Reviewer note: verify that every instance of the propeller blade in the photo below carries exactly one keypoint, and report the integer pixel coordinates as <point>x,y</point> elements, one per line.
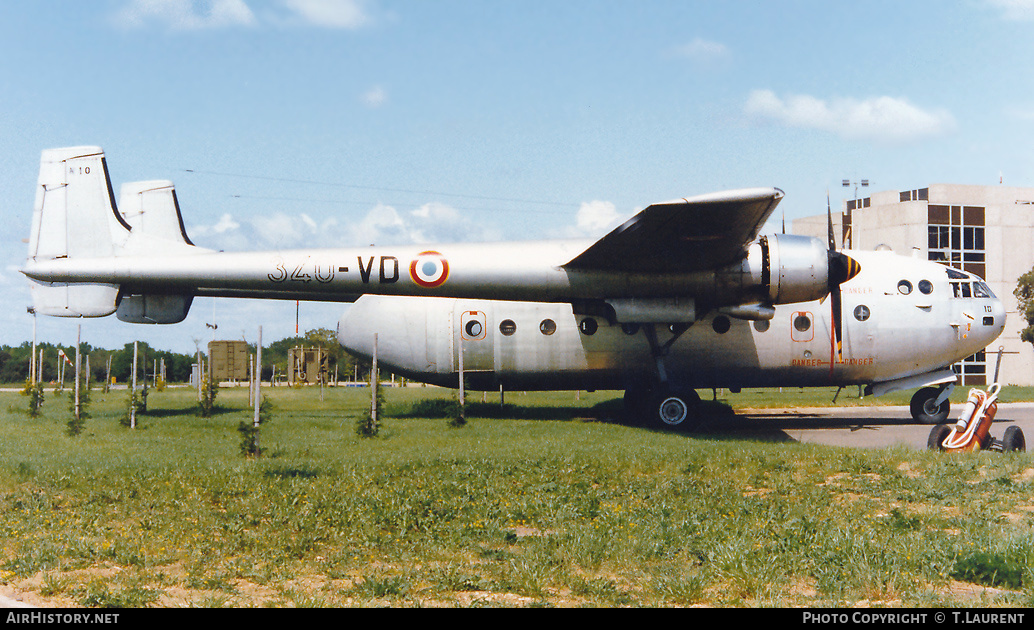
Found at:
<point>829,223</point>
<point>841,269</point>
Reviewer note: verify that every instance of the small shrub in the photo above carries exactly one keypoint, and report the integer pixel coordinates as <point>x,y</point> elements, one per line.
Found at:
<point>133,407</point>
<point>35,394</point>
<point>209,390</point>
<point>989,569</point>
<point>250,433</point>
<point>77,422</point>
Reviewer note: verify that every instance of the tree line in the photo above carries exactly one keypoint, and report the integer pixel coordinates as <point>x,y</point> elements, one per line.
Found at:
<point>15,360</point>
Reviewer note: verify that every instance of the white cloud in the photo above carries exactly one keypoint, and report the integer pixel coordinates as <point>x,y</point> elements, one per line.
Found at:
<point>882,118</point>
<point>596,218</point>
<point>347,14</point>
<point>701,50</point>
<point>382,225</point>
<point>1014,10</point>
<point>225,223</point>
<point>186,14</point>
<point>206,14</point>
<point>375,97</point>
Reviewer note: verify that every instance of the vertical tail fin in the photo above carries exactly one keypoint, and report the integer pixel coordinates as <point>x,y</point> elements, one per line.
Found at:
<point>74,216</point>
<point>152,210</point>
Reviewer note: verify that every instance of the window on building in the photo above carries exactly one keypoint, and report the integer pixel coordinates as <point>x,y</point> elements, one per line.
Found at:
<point>955,238</point>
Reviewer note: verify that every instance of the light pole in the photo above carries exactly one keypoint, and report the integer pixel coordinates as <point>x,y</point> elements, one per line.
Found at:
<point>847,222</point>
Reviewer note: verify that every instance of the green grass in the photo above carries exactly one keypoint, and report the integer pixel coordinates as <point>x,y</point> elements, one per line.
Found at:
<point>546,503</point>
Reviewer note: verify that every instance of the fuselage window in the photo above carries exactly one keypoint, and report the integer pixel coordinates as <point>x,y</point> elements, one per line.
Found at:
<point>721,324</point>
<point>861,312</point>
<point>966,291</point>
<point>630,329</point>
<point>802,323</point>
<point>547,327</point>
<point>905,287</point>
<point>474,329</point>
<point>925,287</point>
<point>507,327</point>
<point>761,325</point>
<point>588,326</point>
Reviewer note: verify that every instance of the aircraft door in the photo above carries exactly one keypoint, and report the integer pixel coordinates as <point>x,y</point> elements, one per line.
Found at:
<point>439,338</point>
<point>471,335</point>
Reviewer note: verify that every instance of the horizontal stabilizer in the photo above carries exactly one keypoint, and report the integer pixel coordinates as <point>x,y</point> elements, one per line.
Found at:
<point>60,299</point>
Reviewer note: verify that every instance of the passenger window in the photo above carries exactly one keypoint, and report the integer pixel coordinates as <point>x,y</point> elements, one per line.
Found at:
<point>925,287</point>
<point>507,327</point>
<point>547,327</point>
<point>861,312</point>
<point>802,323</point>
<point>761,325</point>
<point>905,287</point>
<point>588,326</point>
<point>721,324</point>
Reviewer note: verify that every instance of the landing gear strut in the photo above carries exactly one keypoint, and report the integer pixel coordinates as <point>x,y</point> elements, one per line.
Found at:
<point>664,406</point>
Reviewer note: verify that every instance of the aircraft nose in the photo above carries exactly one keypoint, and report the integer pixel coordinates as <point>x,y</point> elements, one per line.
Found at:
<point>993,321</point>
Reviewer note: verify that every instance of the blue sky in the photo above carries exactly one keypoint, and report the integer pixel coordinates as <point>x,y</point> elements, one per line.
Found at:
<point>293,123</point>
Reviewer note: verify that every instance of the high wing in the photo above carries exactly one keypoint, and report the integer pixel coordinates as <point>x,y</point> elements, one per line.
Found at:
<point>692,234</point>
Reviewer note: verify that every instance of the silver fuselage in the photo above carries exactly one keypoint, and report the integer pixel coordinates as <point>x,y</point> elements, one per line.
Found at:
<point>888,334</point>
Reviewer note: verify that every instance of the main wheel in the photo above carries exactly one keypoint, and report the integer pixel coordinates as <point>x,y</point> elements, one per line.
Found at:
<point>1013,440</point>
<point>636,403</point>
<point>923,408</point>
<point>937,435</point>
<point>675,410</point>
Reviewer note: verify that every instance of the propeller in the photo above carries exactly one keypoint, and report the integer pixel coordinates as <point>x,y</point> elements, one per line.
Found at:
<point>841,269</point>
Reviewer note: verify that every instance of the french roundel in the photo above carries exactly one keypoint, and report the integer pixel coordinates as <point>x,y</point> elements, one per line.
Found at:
<point>429,269</point>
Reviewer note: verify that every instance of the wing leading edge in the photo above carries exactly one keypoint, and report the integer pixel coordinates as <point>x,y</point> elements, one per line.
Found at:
<point>692,234</point>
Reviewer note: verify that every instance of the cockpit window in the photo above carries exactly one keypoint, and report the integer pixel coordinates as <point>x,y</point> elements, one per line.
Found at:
<point>981,290</point>
<point>955,274</point>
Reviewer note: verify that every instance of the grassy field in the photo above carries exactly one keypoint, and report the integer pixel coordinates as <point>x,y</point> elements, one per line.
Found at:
<point>547,503</point>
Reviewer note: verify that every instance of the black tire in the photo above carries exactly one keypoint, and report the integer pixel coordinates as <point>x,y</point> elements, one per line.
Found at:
<point>1013,440</point>
<point>675,410</point>
<point>937,435</point>
<point>923,409</point>
<point>636,405</point>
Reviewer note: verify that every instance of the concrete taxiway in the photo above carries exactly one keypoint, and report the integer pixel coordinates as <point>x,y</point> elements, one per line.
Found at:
<point>862,427</point>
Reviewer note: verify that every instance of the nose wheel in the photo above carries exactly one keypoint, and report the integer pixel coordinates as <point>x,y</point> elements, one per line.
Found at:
<point>926,409</point>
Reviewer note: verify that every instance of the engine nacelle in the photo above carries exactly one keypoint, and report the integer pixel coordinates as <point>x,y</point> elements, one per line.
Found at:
<point>778,269</point>
<point>800,268</point>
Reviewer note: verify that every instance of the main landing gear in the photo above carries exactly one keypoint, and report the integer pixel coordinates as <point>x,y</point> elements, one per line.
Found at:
<point>663,406</point>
